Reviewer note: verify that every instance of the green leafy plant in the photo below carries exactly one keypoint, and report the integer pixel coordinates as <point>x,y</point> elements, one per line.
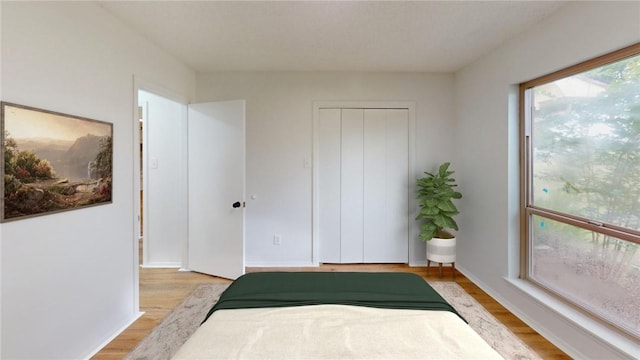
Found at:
<point>435,192</point>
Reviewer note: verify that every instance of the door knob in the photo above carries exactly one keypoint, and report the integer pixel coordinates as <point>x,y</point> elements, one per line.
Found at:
<point>236,204</point>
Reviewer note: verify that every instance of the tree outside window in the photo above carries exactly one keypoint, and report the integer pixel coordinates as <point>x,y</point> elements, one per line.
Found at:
<point>583,187</point>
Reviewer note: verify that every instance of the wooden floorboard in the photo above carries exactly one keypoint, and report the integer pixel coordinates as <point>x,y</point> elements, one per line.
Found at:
<point>161,290</point>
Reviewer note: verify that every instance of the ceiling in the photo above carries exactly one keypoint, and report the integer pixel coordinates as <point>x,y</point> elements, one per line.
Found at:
<point>430,36</point>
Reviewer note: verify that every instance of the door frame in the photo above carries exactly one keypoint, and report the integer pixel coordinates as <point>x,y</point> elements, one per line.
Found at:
<point>410,106</point>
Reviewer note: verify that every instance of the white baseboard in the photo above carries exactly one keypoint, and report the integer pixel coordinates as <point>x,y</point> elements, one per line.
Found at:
<point>280,264</point>
<point>118,332</point>
<point>514,310</point>
<point>624,347</point>
<point>161,266</point>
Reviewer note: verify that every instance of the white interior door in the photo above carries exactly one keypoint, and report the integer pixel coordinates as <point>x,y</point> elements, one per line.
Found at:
<point>217,188</point>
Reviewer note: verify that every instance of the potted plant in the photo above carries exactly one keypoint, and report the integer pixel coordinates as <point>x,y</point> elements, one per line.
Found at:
<point>435,194</point>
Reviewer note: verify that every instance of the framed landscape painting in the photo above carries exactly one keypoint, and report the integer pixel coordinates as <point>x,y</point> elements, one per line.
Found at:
<point>53,162</point>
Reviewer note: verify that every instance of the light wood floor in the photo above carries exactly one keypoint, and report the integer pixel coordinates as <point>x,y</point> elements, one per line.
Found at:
<point>163,289</point>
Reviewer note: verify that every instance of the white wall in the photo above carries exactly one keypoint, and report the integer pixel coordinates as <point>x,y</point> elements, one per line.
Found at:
<point>279,139</point>
<point>487,139</point>
<point>68,280</point>
<point>165,202</point>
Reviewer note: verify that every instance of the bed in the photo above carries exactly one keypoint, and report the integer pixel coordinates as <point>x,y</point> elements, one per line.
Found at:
<point>333,315</point>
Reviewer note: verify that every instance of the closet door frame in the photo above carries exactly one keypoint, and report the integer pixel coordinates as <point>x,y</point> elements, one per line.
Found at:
<point>317,105</point>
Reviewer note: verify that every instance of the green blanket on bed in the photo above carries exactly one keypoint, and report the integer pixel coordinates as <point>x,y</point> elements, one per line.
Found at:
<point>381,290</point>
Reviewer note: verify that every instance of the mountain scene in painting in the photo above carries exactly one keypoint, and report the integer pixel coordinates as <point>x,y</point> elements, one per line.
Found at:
<point>50,166</point>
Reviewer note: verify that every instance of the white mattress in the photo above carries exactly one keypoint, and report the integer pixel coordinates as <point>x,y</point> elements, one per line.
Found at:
<point>335,332</point>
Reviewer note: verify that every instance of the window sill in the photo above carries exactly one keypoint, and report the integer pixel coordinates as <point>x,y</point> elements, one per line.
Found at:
<point>613,338</point>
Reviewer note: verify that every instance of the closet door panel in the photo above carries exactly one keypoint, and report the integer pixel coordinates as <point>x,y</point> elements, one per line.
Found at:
<point>352,176</point>
<point>386,185</point>
<point>398,188</point>
<point>376,245</point>
<point>329,140</point>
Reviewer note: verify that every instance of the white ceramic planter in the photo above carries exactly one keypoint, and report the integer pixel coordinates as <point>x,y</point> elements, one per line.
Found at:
<point>441,250</point>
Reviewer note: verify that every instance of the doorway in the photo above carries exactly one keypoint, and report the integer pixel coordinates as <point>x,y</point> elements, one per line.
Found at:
<point>162,195</point>
<point>171,149</point>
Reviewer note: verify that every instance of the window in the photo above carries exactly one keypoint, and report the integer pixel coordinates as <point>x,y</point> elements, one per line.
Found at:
<point>581,186</point>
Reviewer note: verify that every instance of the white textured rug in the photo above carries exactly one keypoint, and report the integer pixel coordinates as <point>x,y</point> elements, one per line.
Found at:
<point>166,338</point>
<point>505,342</point>
<point>173,331</point>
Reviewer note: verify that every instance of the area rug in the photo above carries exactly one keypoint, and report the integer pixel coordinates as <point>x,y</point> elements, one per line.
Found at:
<point>505,342</point>
<point>163,341</point>
<point>166,338</point>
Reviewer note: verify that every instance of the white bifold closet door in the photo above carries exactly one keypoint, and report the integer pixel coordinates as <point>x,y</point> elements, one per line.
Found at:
<point>363,186</point>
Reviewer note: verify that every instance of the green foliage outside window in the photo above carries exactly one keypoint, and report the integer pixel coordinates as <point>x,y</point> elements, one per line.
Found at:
<point>585,163</point>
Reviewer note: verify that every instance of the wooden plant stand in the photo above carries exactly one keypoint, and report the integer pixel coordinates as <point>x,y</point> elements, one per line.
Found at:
<point>453,268</point>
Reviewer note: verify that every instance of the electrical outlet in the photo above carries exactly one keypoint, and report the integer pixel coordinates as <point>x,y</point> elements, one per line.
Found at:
<point>276,239</point>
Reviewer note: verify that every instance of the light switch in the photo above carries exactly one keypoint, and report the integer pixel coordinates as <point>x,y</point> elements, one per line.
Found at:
<point>154,162</point>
